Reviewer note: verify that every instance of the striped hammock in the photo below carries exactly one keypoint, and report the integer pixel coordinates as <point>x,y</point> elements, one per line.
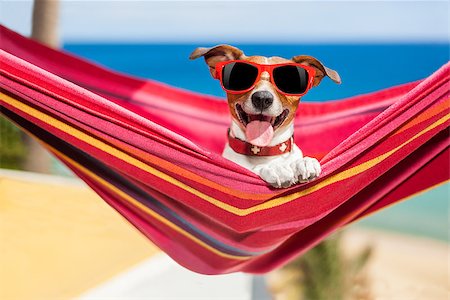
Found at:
<point>152,152</point>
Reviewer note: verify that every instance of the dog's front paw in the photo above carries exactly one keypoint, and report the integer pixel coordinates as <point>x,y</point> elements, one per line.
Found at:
<point>278,176</point>
<point>306,169</point>
<point>286,174</point>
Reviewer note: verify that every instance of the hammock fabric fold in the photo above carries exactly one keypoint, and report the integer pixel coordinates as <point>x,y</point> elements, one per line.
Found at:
<point>152,152</point>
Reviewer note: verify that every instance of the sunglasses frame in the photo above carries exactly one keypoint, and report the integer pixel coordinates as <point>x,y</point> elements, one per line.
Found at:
<point>264,68</point>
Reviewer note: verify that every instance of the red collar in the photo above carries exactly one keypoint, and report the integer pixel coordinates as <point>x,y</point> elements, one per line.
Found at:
<point>245,148</point>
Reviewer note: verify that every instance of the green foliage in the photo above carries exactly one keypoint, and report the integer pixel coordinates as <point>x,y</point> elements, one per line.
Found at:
<point>323,273</point>
<point>12,149</point>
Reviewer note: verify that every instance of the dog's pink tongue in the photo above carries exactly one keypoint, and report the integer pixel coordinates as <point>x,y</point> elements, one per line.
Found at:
<point>259,133</point>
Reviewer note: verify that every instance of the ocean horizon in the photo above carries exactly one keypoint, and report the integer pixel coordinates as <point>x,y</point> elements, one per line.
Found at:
<point>364,68</point>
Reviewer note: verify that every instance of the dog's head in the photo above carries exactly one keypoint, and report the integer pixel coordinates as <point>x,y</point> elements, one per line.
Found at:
<point>263,110</point>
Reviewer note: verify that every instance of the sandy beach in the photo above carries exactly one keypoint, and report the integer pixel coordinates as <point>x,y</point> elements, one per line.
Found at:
<point>56,230</point>
<point>403,266</point>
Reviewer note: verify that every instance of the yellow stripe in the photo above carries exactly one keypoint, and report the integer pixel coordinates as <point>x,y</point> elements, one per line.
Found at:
<point>147,210</point>
<point>111,150</point>
<point>352,171</point>
<point>138,204</point>
<point>229,208</point>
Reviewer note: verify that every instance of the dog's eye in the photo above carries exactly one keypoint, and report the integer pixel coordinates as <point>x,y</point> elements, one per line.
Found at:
<point>239,76</point>
<point>291,79</point>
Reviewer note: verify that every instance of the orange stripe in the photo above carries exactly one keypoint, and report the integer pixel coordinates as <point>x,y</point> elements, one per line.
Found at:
<point>135,203</point>
<point>140,206</point>
<point>150,158</point>
<point>343,175</point>
<point>426,115</point>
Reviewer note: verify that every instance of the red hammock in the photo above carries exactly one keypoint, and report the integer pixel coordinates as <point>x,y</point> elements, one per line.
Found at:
<point>153,153</point>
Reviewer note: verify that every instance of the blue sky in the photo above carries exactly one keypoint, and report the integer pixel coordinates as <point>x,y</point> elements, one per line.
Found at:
<point>242,21</point>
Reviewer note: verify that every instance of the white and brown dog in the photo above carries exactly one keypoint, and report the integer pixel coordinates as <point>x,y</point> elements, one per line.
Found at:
<point>263,98</point>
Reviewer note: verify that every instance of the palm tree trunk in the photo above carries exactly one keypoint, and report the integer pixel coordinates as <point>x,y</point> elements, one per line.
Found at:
<point>45,22</point>
<point>45,30</point>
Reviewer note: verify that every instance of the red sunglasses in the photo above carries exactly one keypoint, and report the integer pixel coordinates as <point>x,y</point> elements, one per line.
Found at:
<point>239,76</point>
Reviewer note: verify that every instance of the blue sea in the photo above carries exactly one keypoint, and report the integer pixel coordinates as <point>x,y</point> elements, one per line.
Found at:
<point>363,69</point>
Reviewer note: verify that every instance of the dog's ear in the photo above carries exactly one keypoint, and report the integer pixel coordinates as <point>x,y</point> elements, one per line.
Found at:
<point>217,54</point>
<point>321,70</point>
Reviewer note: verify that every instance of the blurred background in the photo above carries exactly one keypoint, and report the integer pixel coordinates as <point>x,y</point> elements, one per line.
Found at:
<point>372,44</point>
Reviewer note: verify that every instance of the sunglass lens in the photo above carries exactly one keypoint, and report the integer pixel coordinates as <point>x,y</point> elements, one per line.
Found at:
<point>237,76</point>
<point>291,79</point>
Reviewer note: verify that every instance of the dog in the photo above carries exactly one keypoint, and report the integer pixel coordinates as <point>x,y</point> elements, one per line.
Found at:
<point>263,95</point>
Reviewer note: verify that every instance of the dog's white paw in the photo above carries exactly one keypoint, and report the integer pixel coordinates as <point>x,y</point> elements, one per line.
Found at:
<point>279,176</point>
<point>286,174</point>
<point>306,169</point>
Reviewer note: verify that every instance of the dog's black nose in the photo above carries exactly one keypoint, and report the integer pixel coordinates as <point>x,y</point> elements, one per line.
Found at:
<point>262,100</point>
